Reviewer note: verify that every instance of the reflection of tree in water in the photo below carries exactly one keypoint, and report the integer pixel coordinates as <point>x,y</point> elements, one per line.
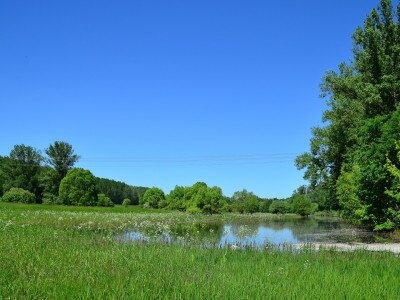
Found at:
<point>305,229</point>
<point>210,233</point>
<point>244,231</point>
<point>326,230</point>
<point>210,230</point>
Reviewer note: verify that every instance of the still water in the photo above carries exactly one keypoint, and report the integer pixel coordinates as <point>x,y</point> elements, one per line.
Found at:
<point>255,233</point>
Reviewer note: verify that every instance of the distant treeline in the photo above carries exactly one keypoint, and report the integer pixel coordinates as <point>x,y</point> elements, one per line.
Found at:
<point>35,178</point>
<point>118,191</point>
<point>29,177</point>
<point>202,198</point>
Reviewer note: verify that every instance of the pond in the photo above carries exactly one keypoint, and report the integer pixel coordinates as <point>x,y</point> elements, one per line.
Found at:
<point>253,232</point>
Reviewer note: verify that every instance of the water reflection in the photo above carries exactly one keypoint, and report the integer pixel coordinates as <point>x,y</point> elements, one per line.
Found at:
<point>238,232</point>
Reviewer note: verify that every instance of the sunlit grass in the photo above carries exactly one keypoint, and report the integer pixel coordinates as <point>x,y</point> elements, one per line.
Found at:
<point>63,208</point>
<point>60,254</point>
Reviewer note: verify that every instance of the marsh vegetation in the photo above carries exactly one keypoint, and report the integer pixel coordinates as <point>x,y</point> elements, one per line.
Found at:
<point>78,253</point>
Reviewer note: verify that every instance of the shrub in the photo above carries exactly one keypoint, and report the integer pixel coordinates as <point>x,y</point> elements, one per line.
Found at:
<point>279,207</point>
<point>51,199</point>
<point>78,188</point>
<point>251,204</point>
<point>126,202</point>
<point>264,205</point>
<point>213,202</point>
<point>176,198</point>
<point>18,195</point>
<point>245,202</point>
<point>103,200</point>
<point>347,186</point>
<point>153,197</point>
<point>301,204</point>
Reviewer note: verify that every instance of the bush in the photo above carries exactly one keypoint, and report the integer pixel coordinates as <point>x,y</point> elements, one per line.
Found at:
<point>347,186</point>
<point>18,195</point>
<point>264,205</point>
<point>245,202</point>
<point>214,201</point>
<point>103,200</point>
<point>51,199</point>
<point>79,188</point>
<point>251,204</point>
<point>280,207</point>
<point>301,204</point>
<point>126,202</point>
<point>176,198</point>
<point>153,197</point>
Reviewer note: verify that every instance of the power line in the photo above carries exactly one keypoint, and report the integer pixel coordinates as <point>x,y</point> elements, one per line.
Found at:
<point>180,161</point>
<point>212,158</point>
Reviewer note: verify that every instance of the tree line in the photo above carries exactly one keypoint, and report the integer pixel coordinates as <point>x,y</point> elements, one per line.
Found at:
<point>202,198</point>
<point>28,176</point>
<point>353,162</point>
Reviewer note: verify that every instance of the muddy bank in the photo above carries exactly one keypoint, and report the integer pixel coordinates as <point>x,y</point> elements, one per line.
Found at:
<point>393,247</point>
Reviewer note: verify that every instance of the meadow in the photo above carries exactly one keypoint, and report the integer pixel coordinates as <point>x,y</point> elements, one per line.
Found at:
<point>63,252</point>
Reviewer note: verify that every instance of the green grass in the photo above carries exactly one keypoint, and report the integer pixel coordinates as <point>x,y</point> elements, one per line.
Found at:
<point>50,255</point>
<point>63,208</point>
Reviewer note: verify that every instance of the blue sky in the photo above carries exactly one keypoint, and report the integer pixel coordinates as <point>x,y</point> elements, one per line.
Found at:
<point>165,93</point>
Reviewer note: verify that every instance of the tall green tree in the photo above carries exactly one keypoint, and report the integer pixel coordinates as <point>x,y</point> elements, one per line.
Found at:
<point>176,198</point>
<point>61,156</point>
<point>21,169</point>
<point>153,197</point>
<point>2,175</point>
<point>213,202</point>
<point>393,213</point>
<point>360,123</point>
<point>49,183</point>
<point>245,202</point>
<point>78,187</point>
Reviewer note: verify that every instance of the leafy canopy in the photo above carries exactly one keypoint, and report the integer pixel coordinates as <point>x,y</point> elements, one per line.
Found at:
<point>346,162</point>
<point>79,188</point>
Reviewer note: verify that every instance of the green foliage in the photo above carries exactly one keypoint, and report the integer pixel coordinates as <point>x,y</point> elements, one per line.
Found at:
<point>49,182</point>
<point>393,212</point>
<point>126,202</point>
<point>78,187</point>
<point>252,204</point>
<point>22,169</point>
<point>66,260</point>
<point>61,156</point>
<point>321,197</point>
<point>302,205</point>
<point>176,198</point>
<point>264,205</point>
<point>2,175</point>
<point>213,201</point>
<point>348,155</point>
<point>103,200</point>
<point>197,198</point>
<point>153,198</point>
<point>245,202</point>
<point>51,199</point>
<point>194,196</point>
<point>18,195</point>
<point>280,207</point>
<point>118,191</point>
<point>347,193</point>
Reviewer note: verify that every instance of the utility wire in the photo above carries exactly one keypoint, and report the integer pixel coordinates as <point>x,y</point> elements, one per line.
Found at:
<point>179,161</point>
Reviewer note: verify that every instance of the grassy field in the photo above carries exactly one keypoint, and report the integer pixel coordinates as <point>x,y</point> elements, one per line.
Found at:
<point>63,253</point>
<point>64,208</point>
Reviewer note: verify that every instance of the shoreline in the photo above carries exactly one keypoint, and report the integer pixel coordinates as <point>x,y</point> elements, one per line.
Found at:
<point>375,247</point>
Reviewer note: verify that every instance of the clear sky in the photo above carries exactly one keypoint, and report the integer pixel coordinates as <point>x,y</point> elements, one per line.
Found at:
<point>165,93</point>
